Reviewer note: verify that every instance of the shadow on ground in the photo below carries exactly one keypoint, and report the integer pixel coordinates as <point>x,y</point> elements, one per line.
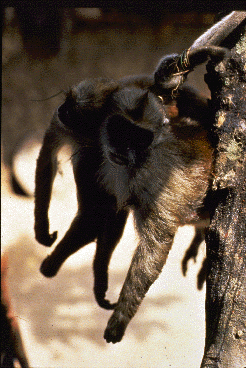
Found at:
<point>64,307</point>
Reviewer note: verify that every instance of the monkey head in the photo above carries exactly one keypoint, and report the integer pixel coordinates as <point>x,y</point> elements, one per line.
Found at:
<point>135,126</point>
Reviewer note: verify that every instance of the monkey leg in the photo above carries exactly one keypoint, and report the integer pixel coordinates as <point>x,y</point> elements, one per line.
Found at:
<point>45,175</point>
<point>148,260</point>
<point>83,230</point>
<point>107,240</point>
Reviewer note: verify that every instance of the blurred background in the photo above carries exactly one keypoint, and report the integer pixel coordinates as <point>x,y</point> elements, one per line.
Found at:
<point>46,50</point>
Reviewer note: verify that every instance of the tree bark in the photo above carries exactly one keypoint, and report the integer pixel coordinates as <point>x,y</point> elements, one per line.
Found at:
<point>225,345</point>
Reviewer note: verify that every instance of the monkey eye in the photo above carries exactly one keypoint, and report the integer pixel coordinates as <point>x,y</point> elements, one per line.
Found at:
<point>161,98</point>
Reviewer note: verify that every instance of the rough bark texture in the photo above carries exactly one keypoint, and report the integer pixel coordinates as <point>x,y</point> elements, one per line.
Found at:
<point>226,239</point>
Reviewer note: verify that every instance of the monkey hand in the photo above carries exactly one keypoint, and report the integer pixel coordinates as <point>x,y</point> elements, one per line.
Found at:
<point>116,327</point>
<point>104,303</point>
<point>42,235</point>
<point>100,292</point>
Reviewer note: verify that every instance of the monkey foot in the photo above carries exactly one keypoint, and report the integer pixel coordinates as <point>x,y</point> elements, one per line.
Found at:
<point>115,328</point>
<point>48,268</point>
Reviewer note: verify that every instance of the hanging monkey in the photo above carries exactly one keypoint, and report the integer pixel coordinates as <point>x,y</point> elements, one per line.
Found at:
<point>140,144</point>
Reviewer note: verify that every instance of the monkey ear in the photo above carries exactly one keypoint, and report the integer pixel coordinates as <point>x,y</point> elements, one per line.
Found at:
<point>140,103</point>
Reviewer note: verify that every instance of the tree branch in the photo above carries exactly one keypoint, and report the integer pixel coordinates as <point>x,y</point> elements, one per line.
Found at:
<point>226,239</point>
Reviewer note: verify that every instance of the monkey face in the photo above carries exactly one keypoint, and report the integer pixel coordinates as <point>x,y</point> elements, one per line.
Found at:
<point>86,107</point>
<point>135,126</point>
<point>124,142</point>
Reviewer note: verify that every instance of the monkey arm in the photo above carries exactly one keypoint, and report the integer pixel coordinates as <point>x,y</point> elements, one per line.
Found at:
<point>45,173</point>
<point>218,33</point>
<point>173,69</point>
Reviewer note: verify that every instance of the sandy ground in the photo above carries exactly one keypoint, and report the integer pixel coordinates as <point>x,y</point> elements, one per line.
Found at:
<point>61,324</point>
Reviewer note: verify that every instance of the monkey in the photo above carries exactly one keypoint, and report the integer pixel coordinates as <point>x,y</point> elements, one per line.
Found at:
<point>166,187</point>
<point>123,137</point>
<point>140,145</point>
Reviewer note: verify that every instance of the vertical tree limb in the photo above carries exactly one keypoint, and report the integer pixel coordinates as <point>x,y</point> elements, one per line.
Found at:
<point>225,345</point>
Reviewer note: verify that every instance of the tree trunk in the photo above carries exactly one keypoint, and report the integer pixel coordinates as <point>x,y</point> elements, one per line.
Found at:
<point>225,345</point>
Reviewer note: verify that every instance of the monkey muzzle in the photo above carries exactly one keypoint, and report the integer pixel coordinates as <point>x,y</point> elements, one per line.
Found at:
<point>124,142</point>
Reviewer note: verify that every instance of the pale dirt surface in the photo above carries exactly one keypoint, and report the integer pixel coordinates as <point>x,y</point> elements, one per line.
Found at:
<point>61,324</point>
